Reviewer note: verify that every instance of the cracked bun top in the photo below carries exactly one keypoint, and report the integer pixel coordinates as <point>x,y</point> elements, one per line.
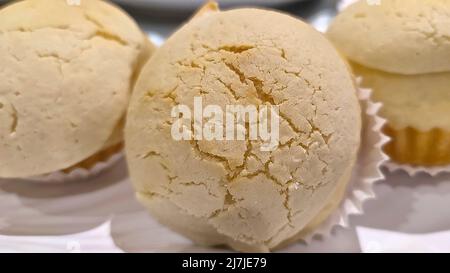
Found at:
<point>65,78</point>
<point>397,36</point>
<point>229,191</point>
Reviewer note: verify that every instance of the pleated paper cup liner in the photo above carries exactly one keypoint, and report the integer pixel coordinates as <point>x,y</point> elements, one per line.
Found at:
<point>366,173</point>
<point>416,146</point>
<point>416,170</point>
<point>418,152</point>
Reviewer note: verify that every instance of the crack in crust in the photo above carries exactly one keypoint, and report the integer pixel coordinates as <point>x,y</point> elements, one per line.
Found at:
<point>264,98</point>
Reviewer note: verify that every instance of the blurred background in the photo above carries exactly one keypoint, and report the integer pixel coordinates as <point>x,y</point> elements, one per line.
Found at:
<point>161,17</point>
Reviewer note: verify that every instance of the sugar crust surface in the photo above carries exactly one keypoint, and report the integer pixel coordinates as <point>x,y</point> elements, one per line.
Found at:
<point>399,36</point>
<point>65,81</point>
<point>229,192</point>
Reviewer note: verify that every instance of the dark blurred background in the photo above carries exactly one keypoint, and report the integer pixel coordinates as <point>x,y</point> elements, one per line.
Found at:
<point>162,17</point>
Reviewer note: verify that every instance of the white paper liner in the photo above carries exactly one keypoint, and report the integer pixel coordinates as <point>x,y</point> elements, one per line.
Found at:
<point>411,170</point>
<point>416,170</point>
<point>366,172</point>
<point>78,173</point>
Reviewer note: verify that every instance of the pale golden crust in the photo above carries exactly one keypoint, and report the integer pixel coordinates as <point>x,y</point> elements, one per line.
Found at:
<point>397,36</point>
<point>66,75</point>
<point>231,192</point>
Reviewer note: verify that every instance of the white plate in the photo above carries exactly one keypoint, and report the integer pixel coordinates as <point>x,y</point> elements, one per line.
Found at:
<point>101,214</point>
